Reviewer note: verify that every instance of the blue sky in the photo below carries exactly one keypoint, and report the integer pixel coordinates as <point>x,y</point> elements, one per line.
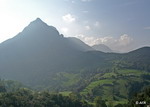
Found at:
<point>122,25</point>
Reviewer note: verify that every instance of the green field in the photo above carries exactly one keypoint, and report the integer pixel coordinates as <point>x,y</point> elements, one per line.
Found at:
<point>96,83</point>
<point>65,93</point>
<point>115,86</point>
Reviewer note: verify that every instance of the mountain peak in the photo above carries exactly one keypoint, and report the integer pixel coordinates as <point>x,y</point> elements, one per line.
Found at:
<point>38,21</point>
<point>40,29</point>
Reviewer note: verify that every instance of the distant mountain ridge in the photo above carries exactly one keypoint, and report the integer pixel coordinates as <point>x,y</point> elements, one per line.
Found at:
<point>102,47</point>
<point>39,54</point>
<point>79,44</point>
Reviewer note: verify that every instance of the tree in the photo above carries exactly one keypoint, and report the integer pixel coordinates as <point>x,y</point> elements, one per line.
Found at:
<point>28,98</point>
<point>99,102</point>
<point>110,104</point>
<point>140,99</point>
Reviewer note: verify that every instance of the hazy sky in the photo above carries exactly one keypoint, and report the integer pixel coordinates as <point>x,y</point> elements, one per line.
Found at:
<point>120,24</point>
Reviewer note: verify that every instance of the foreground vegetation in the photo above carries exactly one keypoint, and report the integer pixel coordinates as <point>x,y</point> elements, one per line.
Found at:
<point>28,98</point>
<point>111,90</point>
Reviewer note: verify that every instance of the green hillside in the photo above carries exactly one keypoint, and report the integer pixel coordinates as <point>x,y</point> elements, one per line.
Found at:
<point>114,86</point>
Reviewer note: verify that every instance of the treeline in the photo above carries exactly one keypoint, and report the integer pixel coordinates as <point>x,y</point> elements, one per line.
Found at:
<point>12,94</point>
<point>24,97</point>
<point>27,98</point>
<point>141,99</point>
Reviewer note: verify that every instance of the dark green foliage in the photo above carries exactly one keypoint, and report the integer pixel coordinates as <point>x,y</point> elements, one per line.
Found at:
<point>142,97</point>
<point>99,102</point>
<point>28,98</point>
<point>121,105</point>
<point>146,76</point>
<point>115,87</point>
<point>138,59</point>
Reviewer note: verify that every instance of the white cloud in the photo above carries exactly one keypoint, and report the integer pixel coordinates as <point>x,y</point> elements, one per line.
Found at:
<point>121,44</point>
<point>64,29</point>
<point>68,18</point>
<point>87,27</point>
<point>124,40</point>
